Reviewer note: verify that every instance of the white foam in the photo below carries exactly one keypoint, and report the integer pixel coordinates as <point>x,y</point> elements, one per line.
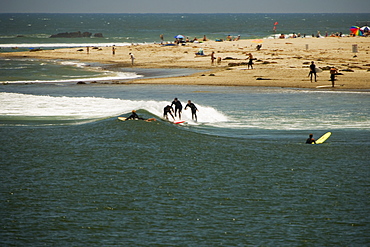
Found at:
<point>108,76</point>
<point>79,108</point>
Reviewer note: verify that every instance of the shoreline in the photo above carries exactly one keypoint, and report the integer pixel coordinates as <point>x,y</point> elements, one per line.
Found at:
<point>279,63</point>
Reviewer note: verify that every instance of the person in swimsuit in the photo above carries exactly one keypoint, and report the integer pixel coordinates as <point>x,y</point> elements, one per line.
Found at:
<point>194,110</point>
<point>166,110</point>
<point>178,106</point>
<point>310,140</point>
<point>250,62</point>
<point>333,72</point>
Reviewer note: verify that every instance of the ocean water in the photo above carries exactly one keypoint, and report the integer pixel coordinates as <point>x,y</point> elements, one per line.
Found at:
<point>74,175</point>
<point>21,30</point>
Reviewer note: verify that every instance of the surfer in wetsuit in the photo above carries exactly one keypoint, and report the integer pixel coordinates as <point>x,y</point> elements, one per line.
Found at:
<point>310,140</point>
<point>178,106</point>
<point>166,110</point>
<point>134,116</point>
<point>312,71</point>
<point>194,110</point>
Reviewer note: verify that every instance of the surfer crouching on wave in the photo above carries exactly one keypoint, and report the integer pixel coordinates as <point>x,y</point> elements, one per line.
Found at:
<point>310,140</point>
<point>168,110</point>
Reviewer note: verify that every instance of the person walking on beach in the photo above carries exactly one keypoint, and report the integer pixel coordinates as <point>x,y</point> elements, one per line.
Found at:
<point>333,72</point>
<point>178,106</point>
<point>132,58</point>
<point>194,110</point>
<point>166,110</point>
<point>312,71</point>
<point>250,62</point>
<point>162,38</point>
<point>310,139</point>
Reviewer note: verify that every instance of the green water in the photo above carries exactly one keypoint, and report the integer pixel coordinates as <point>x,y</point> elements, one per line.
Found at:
<point>113,183</point>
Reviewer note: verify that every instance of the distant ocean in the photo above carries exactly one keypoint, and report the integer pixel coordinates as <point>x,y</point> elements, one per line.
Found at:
<point>34,30</point>
<point>74,175</point>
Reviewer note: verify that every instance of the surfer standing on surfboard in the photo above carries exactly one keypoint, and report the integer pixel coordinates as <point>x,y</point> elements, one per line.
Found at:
<point>178,106</point>
<point>194,110</point>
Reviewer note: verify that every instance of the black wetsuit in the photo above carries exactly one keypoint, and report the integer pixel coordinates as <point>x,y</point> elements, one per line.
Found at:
<point>178,106</point>
<point>134,116</point>
<point>166,110</point>
<point>193,110</point>
<point>310,141</point>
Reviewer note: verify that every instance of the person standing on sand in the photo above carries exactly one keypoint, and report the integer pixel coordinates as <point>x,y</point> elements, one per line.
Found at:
<point>312,70</point>
<point>250,62</point>
<point>213,58</point>
<point>113,50</point>
<point>178,106</point>
<point>162,38</point>
<point>132,58</point>
<point>194,110</point>
<point>333,72</point>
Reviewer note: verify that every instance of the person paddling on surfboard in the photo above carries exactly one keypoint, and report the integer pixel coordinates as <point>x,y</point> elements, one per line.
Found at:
<point>134,116</point>
<point>310,140</point>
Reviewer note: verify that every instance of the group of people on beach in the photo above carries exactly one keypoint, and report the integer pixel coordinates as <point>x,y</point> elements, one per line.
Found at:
<point>178,109</point>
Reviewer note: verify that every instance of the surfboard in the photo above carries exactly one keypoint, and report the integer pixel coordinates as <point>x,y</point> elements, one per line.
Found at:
<point>318,70</point>
<point>325,86</point>
<point>178,122</point>
<point>146,120</point>
<point>323,138</point>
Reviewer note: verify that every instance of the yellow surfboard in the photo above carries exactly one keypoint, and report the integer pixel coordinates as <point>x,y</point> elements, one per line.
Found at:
<point>323,138</point>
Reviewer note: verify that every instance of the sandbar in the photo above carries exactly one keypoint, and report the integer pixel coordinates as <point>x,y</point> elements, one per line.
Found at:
<point>279,62</point>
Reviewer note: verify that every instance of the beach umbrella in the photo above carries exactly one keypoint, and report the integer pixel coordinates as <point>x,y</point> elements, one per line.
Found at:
<point>365,29</point>
<point>355,30</point>
<point>179,36</point>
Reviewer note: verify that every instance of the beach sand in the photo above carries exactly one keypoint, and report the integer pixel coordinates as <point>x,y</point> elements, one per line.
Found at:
<point>279,63</point>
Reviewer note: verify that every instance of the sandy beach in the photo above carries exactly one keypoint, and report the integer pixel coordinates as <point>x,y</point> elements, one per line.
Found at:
<point>279,63</point>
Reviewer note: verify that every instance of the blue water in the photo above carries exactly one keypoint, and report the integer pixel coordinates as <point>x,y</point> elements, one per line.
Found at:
<point>73,175</point>
<point>139,28</point>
